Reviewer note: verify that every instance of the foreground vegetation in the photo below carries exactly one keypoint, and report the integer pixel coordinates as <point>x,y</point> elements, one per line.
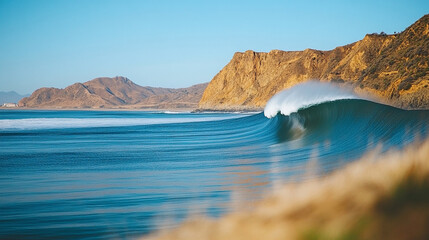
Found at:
<point>378,197</point>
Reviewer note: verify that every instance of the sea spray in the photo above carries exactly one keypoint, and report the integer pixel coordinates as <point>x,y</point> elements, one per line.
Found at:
<point>57,181</point>
<point>304,95</point>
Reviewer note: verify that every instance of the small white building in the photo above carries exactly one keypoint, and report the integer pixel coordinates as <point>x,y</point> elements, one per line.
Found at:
<point>10,105</point>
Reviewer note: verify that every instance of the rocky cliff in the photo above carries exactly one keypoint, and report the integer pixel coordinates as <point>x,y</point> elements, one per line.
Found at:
<point>393,68</point>
<point>118,92</point>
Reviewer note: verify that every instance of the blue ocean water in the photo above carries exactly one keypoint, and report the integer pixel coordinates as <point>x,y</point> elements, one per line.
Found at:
<point>123,174</point>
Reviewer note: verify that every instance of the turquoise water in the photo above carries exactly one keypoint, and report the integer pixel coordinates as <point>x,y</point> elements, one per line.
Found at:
<point>122,174</point>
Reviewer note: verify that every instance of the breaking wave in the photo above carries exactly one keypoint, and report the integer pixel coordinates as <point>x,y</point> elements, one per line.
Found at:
<point>304,95</point>
<point>315,112</point>
<point>163,164</point>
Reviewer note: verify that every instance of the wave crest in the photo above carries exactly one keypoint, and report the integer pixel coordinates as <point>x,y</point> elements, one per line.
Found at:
<point>59,123</point>
<point>304,95</point>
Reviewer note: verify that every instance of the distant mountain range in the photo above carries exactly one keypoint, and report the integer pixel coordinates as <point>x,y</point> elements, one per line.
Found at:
<point>118,92</point>
<point>392,68</point>
<point>11,97</point>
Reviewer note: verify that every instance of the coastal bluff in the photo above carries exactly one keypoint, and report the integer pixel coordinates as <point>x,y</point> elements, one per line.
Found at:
<point>391,68</point>
<point>114,93</point>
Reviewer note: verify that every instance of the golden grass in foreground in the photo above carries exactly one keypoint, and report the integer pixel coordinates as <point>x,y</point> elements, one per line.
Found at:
<point>377,197</point>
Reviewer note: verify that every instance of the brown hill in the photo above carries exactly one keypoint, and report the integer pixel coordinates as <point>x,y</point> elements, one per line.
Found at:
<point>118,92</point>
<point>393,68</point>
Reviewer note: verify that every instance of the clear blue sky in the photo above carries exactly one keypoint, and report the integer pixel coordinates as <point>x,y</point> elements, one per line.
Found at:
<point>172,43</point>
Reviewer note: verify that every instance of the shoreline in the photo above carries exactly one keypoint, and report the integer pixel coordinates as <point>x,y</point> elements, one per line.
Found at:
<point>180,110</point>
<point>104,109</point>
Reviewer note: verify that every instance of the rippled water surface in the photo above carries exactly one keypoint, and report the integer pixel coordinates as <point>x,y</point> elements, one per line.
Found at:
<point>119,174</point>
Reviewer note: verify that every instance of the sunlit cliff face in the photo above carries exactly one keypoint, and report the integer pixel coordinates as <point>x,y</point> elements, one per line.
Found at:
<point>393,68</point>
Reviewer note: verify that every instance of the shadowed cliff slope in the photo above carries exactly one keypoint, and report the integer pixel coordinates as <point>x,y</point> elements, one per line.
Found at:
<point>118,92</point>
<point>393,68</point>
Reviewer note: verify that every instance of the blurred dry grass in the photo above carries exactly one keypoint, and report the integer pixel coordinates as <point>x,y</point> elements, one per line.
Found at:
<point>378,197</point>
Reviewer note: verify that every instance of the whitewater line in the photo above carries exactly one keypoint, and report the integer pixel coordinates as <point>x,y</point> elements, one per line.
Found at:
<point>59,123</point>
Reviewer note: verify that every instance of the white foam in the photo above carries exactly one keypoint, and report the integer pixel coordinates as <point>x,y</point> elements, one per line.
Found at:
<point>173,112</point>
<point>304,95</point>
<point>53,123</point>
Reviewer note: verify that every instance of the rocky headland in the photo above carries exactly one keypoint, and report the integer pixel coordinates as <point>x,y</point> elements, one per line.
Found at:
<point>114,93</point>
<point>392,68</point>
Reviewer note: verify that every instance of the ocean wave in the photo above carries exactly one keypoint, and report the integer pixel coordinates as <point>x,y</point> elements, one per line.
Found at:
<point>349,119</point>
<point>215,157</point>
<point>304,95</point>
<point>57,123</point>
<point>176,112</point>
